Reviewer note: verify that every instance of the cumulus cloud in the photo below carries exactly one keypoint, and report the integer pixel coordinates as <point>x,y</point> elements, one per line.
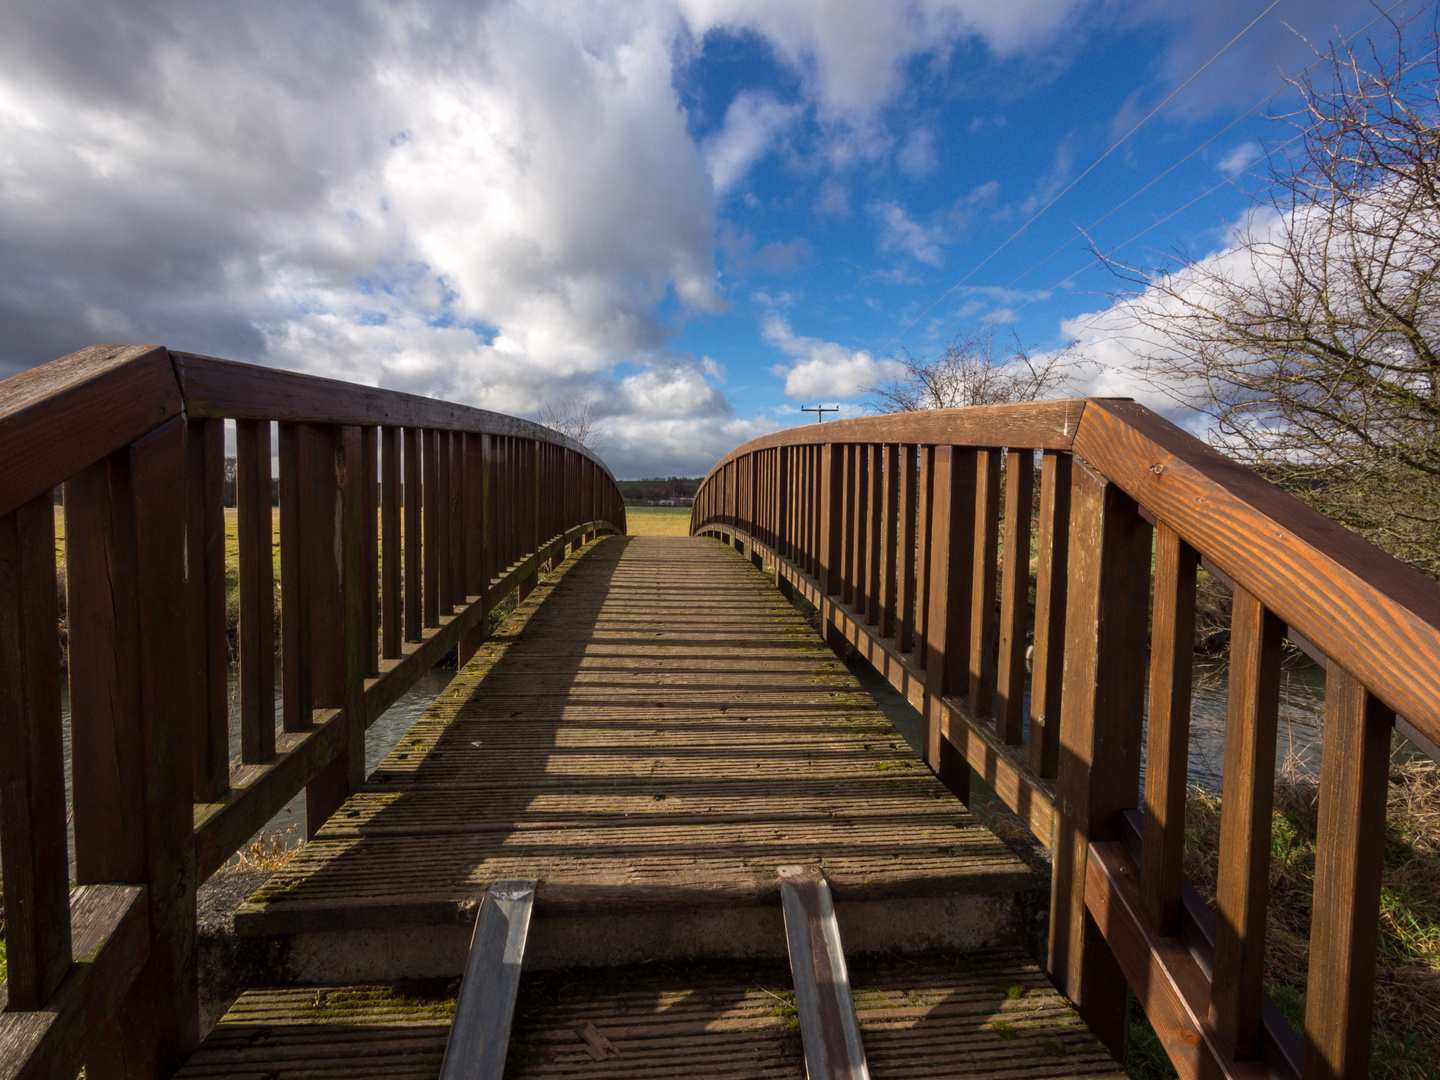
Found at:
<point>752,123</point>
<point>899,233</point>
<point>822,368</point>
<point>1240,158</point>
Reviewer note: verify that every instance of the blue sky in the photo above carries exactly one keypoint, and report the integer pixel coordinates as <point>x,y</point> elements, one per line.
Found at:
<point>698,215</point>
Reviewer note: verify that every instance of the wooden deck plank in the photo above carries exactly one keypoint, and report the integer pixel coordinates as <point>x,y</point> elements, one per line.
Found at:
<point>989,1013</point>
<point>654,725</point>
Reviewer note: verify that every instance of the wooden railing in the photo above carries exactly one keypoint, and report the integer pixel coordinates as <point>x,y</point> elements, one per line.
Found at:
<point>891,527</point>
<point>403,522</point>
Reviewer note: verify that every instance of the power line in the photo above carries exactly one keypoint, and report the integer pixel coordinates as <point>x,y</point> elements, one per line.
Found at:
<point>1093,165</point>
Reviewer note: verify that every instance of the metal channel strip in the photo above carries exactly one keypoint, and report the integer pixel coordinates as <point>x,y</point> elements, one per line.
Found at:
<point>828,1027</point>
<point>480,1032</point>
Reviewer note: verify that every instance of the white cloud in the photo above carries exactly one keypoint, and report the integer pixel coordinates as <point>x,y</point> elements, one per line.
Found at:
<point>917,157</point>
<point>901,233</point>
<point>752,123</point>
<point>824,368</point>
<point>1240,158</point>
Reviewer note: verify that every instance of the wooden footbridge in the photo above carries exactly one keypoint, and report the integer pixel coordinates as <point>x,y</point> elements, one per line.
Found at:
<point>654,826</point>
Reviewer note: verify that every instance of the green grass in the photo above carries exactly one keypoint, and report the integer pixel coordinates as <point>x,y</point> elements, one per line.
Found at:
<point>657,520</point>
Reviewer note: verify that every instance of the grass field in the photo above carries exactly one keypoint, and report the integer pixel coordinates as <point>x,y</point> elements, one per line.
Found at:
<point>658,520</point>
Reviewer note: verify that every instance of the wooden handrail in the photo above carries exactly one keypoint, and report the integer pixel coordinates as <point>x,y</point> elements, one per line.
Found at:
<point>891,525</point>
<point>135,434</point>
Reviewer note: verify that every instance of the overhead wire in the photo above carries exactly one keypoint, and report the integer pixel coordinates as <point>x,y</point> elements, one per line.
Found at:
<point>1091,168</point>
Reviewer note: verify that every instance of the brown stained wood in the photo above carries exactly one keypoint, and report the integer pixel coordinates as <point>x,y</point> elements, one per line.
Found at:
<point>443,531</point>
<point>1344,931</point>
<point>1168,730</point>
<point>205,608</point>
<point>1047,425</point>
<point>475,510</point>
<point>831,519</point>
<point>66,415</point>
<point>1099,773</point>
<point>1014,596</point>
<point>924,499</point>
<point>370,550</point>
<point>104,668</point>
<point>1251,724</point>
<point>1315,575</point>
<point>430,526</point>
<point>906,539</point>
<point>1051,578</point>
<point>227,388</point>
<point>875,532</point>
<point>32,769</point>
<point>296,517</point>
<point>331,612</point>
<point>414,499</point>
<point>848,503</point>
<point>157,1024</point>
<point>890,522</point>
<point>859,529</point>
<point>391,601</point>
<point>455,519</point>
<point>256,595</point>
<point>980,686</point>
<point>1170,985</point>
<point>111,945</point>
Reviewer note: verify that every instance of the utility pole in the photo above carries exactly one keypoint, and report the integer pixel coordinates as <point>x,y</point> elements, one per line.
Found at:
<point>819,411</point>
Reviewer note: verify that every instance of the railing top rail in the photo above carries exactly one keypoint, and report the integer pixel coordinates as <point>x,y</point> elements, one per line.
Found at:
<point>1047,425</point>
<point>63,416</point>
<point>1326,582</point>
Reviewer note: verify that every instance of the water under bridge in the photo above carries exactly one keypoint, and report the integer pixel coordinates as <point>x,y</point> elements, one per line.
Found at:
<point>655,826</point>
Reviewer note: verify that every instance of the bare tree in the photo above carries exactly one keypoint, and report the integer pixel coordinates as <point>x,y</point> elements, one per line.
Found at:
<point>1313,343</point>
<point>973,371</point>
<point>577,418</point>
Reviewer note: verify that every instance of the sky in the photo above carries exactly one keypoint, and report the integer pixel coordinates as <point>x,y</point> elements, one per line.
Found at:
<point>698,216</point>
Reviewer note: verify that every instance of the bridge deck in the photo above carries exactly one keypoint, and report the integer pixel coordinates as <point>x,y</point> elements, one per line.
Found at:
<point>659,734</point>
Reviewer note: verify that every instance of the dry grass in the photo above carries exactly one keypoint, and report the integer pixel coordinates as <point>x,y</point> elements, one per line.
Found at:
<point>657,520</point>
<point>268,851</point>
<point>1407,1025</point>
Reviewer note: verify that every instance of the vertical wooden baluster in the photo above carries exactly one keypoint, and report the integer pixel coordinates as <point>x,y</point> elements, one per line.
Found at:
<point>255,529</point>
<point>980,684</point>
<point>32,768</point>
<point>487,513</point>
<point>1344,930</point>
<point>337,612</point>
<point>1099,775</point>
<point>130,731</point>
<point>414,504</point>
<point>860,523</point>
<point>947,622</point>
<point>889,503</point>
<point>832,525</point>
<point>1051,577</point>
<point>924,504</point>
<point>456,513</point>
<point>443,532</point>
<point>370,551</point>
<point>875,531</point>
<point>1252,714</point>
<point>475,514</point>
<point>530,505</point>
<point>296,513</point>
<point>430,525</point>
<point>390,628</point>
<point>1015,596</point>
<point>1172,648</point>
<point>906,540</point>
<point>205,610</point>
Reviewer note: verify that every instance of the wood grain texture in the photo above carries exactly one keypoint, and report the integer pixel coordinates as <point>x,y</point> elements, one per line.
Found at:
<point>602,680</point>
<point>890,525</point>
<point>1169,983</point>
<point>1344,932</point>
<point>1014,597</point>
<point>66,415</point>
<point>907,539</point>
<point>1048,425</point>
<point>414,500</point>
<point>256,595</point>
<point>1251,723</point>
<point>1313,573</point>
<point>205,606</point>
<point>227,388</point>
<point>980,682</point>
<point>32,767</point>
<point>296,514</point>
<point>391,593</point>
<point>1172,647</point>
<point>111,946</point>
<point>1099,773</point>
<point>1051,589</point>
